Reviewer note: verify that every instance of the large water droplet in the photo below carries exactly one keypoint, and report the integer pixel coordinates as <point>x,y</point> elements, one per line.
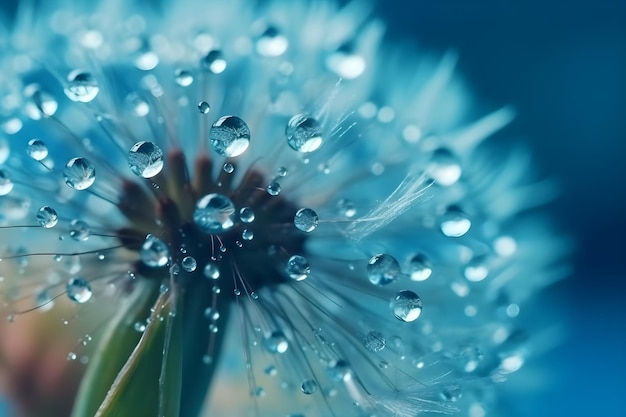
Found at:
<point>79,230</point>
<point>229,136</point>
<point>154,252</point>
<point>79,173</point>
<point>214,213</point>
<point>204,107</point>
<point>211,271</point>
<point>383,269</point>
<point>273,188</point>
<point>271,43</point>
<point>6,185</point>
<point>306,220</point>
<point>82,86</point>
<point>406,306</point>
<point>78,290</point>
<point>214,61</point>
<point>47,217</point>
<point>276,342</point>
<point>309,387</point>
<point>37,150</point>
<point>189,264</point>
<point>444,167</point>
<point>304,133</point>
<point>374,341</point>
<point>454,223</point>
<point>246,215</point>
<point>145,159</point>
<point>183,77</point>
<point>419,268</point>
<point>298,268</point>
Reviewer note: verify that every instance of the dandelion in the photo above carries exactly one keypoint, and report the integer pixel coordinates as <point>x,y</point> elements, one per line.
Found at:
<point>261,202</point>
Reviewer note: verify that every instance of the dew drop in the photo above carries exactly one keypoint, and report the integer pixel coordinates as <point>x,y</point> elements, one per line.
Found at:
<point>298,268</point>
<point>276,342</point>
<point>451,393</point>
<point>139,327</point>
<point>39,102</point>
<point>303,133</point>
<point>383,269</point>
<point>419,268</point>
<point>306,220</point>
<point>282,172</point>
<point>79,173</point>
<point>406,306</point>
<point>346,208</point>
<point>476,270</point>
<point>346,63</point>
<point>82,86</point>
<point>204,107</point>
<point>273,188</point>
<point>229,136</point>
<point>340,371</point>
<point>259,392</point>
<point>154,252</point>
<point>271,43</point>
<point>211,314</point>
<point>455,223</point>
<point>44,301</point>
<point>271,370</point>
<point>214,213</point>
<point>6,185</point>
<point>211,271</point>
<point>78,290</point>
<point>137,105</point>
<point>309,387</point>
<point>183,77</point>
<point>229,168</point>
<point>444,167</point>
<point>247,234</point>
<point>246,215</point>
<point>71,356</point>
<point>189,264</point>
<point>374,341</point>
<point>47,217</point>
<point>79,230</point>
<point>214,62</point>
<point>37,150</point>
<point>145,159</point>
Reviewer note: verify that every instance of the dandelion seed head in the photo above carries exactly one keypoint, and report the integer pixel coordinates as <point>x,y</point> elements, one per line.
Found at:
<point>313,204</point>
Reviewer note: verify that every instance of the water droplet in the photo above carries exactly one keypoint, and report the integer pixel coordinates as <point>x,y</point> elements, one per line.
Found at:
<point>79,173</point>
<point>451,393</point>
<point>444,167</point>
<point>271,370</point>
<point>71,356</point>
<point>214,213</point>
<point>139,327</point>
<point>383,269</point>
<point>306,220</point>
<point>454,223</point>
<point>476,270</point>
<point>47,217</point>
<point>259,392</point>
<point>211,271</point>
<point>214,61</point>
<point>229,136</point>
<point>276,342</point>
<point>229,168</point>
<point>340,371</point>
<point>304,133</point>
<point>419,268</point>
<point>154,252</point>
<point>6,185</point>
<point>346,63</point>
<point>189,264</point>
<point>137,105</point>
<point>37,150</point>
<point>309,387</point>
<point>39,102</point>
<point>183,77</point>
<point>282,172</point>
<point>273,188</point>
<point>146,60</point>
<point>346,208</point>
<point>44,301</point>
<point>211,314</point>
<point>145,159</point>
<point>298,268</point>
<point>79,230</point>
<point>247,234</point>
<point>82,86</point>
<point>246,215</point>
<point>78,290</point>
<point>204,107</point>
<point>406,306</point>
<point>374,341</point>
<point>271,43</point>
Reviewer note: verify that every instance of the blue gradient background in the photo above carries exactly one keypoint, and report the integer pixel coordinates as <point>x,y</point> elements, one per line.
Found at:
<point>563,65</point>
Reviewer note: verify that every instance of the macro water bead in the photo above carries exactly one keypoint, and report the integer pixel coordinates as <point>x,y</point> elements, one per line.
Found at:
<point>203,201</point>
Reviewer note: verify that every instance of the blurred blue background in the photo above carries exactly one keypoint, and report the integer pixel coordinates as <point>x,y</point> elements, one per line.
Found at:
<point>562,64</point>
